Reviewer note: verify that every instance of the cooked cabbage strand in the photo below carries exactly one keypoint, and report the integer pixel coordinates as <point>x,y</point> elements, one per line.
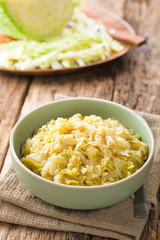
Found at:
<point>84,151</point>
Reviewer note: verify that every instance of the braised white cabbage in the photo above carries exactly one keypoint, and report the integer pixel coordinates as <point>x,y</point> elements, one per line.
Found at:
<point>84,151</point>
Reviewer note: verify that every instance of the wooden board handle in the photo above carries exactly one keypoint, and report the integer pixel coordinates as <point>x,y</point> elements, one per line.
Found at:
<point>127,37</point>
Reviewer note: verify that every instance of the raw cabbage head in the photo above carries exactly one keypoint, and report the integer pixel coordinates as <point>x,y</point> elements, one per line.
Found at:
<point>35,19</point>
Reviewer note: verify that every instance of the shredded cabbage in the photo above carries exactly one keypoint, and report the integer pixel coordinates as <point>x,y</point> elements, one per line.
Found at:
<point>82,42</point>
<point>84,151</point>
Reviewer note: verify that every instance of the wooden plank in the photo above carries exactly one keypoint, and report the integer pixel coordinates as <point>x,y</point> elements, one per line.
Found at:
<point>137,84</point>
<point>12,93</point>
<point>89,83</point>
<point>115,7</point>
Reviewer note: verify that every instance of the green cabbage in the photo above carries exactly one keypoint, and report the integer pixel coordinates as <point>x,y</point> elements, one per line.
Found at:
<point>35,19</point>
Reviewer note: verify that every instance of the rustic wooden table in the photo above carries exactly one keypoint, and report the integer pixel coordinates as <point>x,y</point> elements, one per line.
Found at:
<point>133,80</point>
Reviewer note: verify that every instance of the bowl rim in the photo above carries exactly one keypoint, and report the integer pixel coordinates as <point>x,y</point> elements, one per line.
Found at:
<point>149,159</point>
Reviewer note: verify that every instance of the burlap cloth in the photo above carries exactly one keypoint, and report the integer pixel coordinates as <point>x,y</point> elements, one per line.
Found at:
<point>20,206</point>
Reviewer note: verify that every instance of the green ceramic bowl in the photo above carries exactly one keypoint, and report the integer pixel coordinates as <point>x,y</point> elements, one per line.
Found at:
<point>80,197</point>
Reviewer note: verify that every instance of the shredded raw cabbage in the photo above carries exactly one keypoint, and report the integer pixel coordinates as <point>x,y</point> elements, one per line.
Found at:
<point>84,151</point>
<point>82,42</point>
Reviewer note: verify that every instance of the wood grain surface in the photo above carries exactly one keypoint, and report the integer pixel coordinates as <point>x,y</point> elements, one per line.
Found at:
<point>133,80</point>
